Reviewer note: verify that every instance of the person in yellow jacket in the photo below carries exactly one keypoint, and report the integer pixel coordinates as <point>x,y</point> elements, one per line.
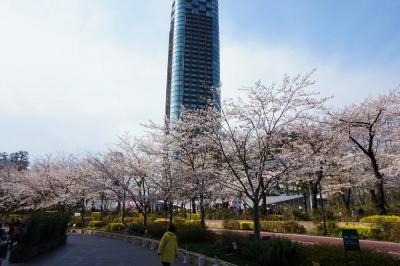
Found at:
<point>168,248</point>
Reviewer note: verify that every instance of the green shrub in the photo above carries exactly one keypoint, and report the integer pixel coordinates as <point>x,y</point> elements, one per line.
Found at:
<point>44,227</point>
<point>156,230</point>
<point>271,252</point>
<point>275,217</point>
<point>331,255</point>
<point>95,224</point>
<point>14,218</point>
<point>117,220</point>
<point>134,219</point>
<point>136,229</point>
<point>301,216</point>
<point>179,220</point>
<point>331,229</point>
<point>76,219</point>
<point>381,219</point>
<point>318,216</point>
<point>192,233</point>
<point>246,226</point>
<point>390,231</point>
<point>162,221</point>
<point>293,227</point>
<point>96,216</point>
<point>194,216</point>
<point>282,227</point>
<point>231,224</point>
<point>364,232</point>
<point>115,227</point>
<point>218,214</point>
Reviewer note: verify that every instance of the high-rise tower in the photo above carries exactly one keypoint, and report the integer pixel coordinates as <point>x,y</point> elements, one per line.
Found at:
<point>193,59</point>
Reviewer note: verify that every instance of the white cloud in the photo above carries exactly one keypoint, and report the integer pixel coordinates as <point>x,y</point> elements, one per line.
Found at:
<point>66,85</point>
<point>245,63</point>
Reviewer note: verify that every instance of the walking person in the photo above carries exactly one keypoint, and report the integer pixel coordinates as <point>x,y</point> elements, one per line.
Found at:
<point>168,249</point>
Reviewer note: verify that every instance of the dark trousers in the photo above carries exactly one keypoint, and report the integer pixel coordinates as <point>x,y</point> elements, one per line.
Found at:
<point>166,264</point>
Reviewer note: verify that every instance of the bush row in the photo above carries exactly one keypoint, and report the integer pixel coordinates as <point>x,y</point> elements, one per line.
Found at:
<point>381,231</point>
<point>186,232</point>
<point>286,253</point>
<point>381,219</point>
<point>273,226</point>
<point>42,232</point>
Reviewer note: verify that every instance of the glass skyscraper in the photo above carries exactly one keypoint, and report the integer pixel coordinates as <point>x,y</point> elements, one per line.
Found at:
<point>193,59</point>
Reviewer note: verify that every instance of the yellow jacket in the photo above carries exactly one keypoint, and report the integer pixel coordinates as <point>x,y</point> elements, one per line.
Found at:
<point>168,248</point>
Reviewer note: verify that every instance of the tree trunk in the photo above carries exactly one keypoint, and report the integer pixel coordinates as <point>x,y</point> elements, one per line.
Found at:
<point>83,213</point>
<point>202,212</point>
<point>264,203</point>
<point>305,199</point>
<point>101,206</point>
<point>346,199</point>
<point>118,209</point>
<point>170,211</point>
<point>323,211</point>
<point>381,197</point>
<point>305,193</point>
<point>145,219</point>
<point>256,219</point>
<point>379,189</point>
<point>314,199</point>
<point>123,208</point>
<point>194,206</point>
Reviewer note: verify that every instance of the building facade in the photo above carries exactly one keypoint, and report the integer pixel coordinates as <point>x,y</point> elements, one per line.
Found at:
<point>193,61</point>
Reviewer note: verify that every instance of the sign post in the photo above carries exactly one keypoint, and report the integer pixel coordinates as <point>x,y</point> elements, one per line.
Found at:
<point>351,242</point>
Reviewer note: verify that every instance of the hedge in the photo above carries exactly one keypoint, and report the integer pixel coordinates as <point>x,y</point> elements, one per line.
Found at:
<point>364,232</point>
<point>231,224</point>
<point>95,224</point>
<point>283,252</point>
<point>136,229</point>
<point>194,216</point>
<point>115,227</point>
<point>246,226</point>
<point>96,215</point>
<point>42,232</point>
<point>275,217</point>
<point>268,226</point>
<point>282,227</point>
<point>331,255</point>
<point>381,219</point>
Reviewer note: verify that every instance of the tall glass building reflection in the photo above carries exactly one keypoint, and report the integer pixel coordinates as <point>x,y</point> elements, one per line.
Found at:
<point>193,60</point>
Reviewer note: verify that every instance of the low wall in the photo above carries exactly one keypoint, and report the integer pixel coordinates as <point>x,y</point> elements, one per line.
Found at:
<point>191,257</point>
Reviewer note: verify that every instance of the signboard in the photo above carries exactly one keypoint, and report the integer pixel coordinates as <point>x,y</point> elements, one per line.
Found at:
<point>77,214</point>
<point>350,240</point>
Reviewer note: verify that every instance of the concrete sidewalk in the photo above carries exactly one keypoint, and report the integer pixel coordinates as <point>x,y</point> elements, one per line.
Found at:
<point>85,250</point>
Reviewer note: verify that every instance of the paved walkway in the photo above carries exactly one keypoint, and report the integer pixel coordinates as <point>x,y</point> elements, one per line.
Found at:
<point>390,247</point>
<point>84,250</point>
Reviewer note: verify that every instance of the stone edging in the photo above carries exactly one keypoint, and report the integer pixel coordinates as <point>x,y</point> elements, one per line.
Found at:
<point>186,256</point>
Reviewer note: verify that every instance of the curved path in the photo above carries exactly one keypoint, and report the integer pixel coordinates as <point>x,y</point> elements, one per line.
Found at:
<point>85,250</point>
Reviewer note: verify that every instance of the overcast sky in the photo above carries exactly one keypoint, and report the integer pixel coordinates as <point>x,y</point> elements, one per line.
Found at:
<point>75,74</point>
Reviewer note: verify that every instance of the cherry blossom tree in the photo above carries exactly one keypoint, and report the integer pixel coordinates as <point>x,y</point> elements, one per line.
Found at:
<point>164,172</point>
<point>372,128</point>
<point>196,156</point>
<point>250,136</point>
